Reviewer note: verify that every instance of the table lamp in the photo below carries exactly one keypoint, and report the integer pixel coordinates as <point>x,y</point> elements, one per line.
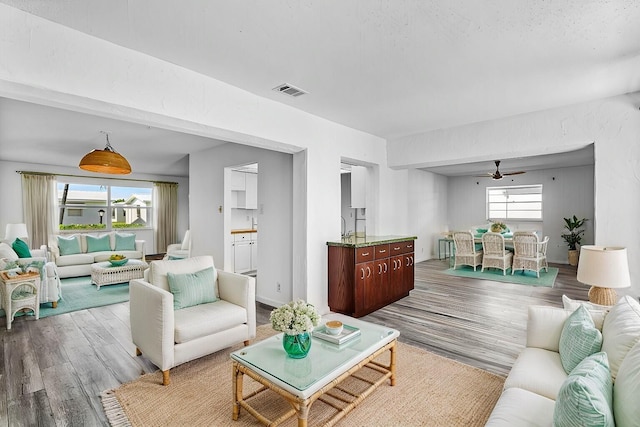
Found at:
<point>15,231</point>
<point>604,268</point>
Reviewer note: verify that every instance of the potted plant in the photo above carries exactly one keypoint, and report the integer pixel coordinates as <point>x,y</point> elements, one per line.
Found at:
<point>498,227</point>
<point>296,319</point>
<point>573,237</point>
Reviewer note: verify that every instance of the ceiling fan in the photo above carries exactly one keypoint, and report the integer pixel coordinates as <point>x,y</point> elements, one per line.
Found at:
<point>497,175</point>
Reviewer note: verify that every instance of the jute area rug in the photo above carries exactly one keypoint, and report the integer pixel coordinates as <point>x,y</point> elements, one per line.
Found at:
<point>430,391</point>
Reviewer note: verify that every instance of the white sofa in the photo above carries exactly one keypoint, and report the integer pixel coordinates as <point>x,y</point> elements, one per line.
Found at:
<point>79,264</point>
<point>49,281</point>
<point>538,384</point>
<point>169,337</point>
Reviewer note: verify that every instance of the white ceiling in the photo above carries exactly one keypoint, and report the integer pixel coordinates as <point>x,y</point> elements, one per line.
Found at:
<point>389,68</point>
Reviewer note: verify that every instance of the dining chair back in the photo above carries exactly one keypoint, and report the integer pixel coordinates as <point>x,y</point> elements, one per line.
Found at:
<point>495,254</point>
<point>465,250</point>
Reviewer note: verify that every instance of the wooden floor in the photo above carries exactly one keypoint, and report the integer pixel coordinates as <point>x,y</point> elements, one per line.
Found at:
<point>54,369</point>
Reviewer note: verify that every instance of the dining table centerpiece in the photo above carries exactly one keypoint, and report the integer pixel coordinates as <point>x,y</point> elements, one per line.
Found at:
<point>296,321</point>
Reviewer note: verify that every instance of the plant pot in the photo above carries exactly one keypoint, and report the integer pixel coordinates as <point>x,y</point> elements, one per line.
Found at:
<point>573,257</point>
<point>297,346</point>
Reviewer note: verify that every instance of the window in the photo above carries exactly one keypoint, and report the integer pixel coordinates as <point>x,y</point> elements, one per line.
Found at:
<point>522,202</point>
<point>89,206</point>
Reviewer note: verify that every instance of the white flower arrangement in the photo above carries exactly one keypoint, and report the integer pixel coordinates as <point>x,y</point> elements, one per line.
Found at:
<point>294,318</point>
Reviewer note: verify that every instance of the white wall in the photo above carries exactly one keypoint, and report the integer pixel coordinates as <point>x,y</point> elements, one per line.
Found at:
<point>611,124</point>
<point>566,192</point>
<point>11,189</point>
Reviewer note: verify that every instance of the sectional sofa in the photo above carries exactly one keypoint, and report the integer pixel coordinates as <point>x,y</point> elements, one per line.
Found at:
<point>73,254</point>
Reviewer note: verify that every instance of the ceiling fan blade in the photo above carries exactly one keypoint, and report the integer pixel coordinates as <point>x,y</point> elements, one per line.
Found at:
<point>514,173</point>
<point>486,175</point>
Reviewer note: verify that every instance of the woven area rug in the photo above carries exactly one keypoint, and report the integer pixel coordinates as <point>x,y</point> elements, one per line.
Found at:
<point>430,390</point>
<point>521,278</point>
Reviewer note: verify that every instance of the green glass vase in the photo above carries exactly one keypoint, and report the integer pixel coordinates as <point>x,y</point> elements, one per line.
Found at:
<point>297,346</point>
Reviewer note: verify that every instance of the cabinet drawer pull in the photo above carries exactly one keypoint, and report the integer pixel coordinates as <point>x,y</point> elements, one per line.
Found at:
<point>385,267</point>
<point>394,264</point>
<point>365,254</point>
<point>382,251</point>
<point>409,246</point>
<point>379,268</point>
<point>396,249</point>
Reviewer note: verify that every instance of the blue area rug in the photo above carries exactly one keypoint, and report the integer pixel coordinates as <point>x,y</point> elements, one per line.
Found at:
<point>78,294</point>
<point>521,278</point>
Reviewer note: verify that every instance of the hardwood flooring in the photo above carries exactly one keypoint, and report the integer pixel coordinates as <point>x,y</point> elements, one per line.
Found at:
<point>54,369</point>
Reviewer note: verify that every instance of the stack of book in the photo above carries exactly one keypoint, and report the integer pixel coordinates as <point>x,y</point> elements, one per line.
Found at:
<point>348,333</point>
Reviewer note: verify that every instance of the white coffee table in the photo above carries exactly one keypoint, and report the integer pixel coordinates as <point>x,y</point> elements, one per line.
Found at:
<point>103,273</point>
<point>302,381</point>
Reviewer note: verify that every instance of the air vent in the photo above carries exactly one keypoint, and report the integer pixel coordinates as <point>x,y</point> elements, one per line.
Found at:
<point>289,90</point>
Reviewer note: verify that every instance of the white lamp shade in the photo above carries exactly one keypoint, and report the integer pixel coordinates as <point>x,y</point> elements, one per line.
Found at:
<point>14,231</point>
<point>604,267</point>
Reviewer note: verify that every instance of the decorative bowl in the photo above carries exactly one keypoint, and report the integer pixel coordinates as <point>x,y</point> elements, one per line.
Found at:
<point>333,327</point>
<point>118,262</point>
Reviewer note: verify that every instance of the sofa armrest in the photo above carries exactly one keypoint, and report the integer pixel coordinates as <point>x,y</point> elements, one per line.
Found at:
<point>239,289</point>
<point>174,247</point>
<point>544,326</point>
<point>152,322</point>
<point>140,246</point>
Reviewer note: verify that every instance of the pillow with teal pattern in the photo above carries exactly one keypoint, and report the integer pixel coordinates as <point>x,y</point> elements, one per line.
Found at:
<point>68,245</point>
<point>579,338</point>
<point>98,244</point>
<point>193,288</point>
<point>125,242</point>
<point>21,248</point>
<point>586,396</point>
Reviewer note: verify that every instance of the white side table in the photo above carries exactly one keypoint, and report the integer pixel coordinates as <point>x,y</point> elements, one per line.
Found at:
<point>20,292</point>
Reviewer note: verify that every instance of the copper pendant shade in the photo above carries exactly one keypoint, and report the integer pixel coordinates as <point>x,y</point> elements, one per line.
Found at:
<point>105,161</point>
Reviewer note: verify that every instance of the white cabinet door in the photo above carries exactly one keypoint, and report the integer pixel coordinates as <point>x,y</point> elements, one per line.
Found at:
<point>242,257</point>
<point>251,191</point>
<point>237,181</point>
<point>254,254</point>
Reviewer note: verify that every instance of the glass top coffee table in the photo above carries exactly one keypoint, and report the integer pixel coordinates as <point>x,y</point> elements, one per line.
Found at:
<point>302,381</point>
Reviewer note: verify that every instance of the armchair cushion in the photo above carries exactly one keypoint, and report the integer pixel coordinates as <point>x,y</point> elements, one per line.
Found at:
<point>125,242</point>
<point>207,319</point>
<point>190,289</point>
<point>21,248</point>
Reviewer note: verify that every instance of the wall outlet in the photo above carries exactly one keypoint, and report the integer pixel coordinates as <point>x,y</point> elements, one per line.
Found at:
<point>278,287</point>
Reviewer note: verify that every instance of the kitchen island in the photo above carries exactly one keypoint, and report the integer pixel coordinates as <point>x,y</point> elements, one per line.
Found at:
<point>369,272</point>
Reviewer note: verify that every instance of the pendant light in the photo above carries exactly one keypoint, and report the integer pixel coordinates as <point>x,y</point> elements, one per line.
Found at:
<point>105,161</point>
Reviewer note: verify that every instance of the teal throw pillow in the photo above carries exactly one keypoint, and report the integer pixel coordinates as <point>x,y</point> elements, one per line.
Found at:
<point>481,230</point>
<point>21,248</point>
<point>586,396</point>
<point>98,244</point>
<point>69,245</point>
<point>192,288</point>
<point>125,242</point>
<point>579,338</point>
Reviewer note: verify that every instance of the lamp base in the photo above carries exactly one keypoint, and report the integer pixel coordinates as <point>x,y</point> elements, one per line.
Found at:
<point>602,296</point>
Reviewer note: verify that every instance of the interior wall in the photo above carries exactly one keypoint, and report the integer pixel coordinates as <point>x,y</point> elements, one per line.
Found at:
<point>347,212</point>
<point>566,192</point>
<point>11,189</point>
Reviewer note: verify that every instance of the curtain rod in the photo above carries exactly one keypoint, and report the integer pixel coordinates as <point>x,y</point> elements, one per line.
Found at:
<point>84,176</point>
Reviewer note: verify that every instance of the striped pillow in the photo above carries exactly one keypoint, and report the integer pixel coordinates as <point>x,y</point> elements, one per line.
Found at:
<point>585,398</point>
<point>579,338</point>
<point>192,288</point>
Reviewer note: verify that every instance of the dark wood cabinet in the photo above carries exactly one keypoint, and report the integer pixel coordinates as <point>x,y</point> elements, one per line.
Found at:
<point>364,279</point>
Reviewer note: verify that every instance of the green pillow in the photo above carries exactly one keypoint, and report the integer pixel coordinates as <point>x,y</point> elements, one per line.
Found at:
<point>21,248</point>
<point>481,230</point>
<point>98,244</point>
<point>579,338</point>
<point>125,242</point>
<point>69,245</point>
<point>192,288</point>
<point>586,396</point>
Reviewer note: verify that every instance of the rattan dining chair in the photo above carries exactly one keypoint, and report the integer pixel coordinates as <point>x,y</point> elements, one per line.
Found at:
<point>494,253</point>
<point>530,254</point>
<point>465,250</point>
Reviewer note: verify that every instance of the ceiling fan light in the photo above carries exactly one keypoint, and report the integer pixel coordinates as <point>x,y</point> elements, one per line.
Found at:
<point>105,161</point>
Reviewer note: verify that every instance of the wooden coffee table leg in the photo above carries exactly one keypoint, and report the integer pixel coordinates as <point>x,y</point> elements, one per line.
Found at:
<point>303,413</point>
<point>392,364</point>
<point>237,390</point>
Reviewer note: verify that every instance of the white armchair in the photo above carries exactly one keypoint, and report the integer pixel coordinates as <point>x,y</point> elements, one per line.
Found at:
<point>180,250</point>
<point>169,337</point>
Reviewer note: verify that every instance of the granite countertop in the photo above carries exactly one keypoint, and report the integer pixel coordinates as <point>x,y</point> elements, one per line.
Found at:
<point>244,230</point>
<point>359,242</point>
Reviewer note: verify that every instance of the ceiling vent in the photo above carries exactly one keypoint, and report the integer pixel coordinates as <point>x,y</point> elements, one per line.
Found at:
<point>289,90</point>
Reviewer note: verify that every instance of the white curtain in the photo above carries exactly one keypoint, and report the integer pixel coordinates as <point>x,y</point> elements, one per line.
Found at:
<point>165,197</point>
<point>39,204</point>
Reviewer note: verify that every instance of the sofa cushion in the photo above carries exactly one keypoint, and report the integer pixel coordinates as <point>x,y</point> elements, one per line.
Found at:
<point>158,269</point>
<point>585,398</point>
<point>538,371</point>
<point>519,407</point>
<point>579,338</point>
<point>621,331</point>
<point>21,248</point>
<point>190,289</point>
<point>7,252</point>
<point>206,319</point>
<point>75,259</point>
<point>69,245</point>
<point>626,390</point>
<point>98,244</point>
<point>125,242</point>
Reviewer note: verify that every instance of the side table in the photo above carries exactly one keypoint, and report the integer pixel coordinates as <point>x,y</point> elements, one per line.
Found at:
<point>20,292</point>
